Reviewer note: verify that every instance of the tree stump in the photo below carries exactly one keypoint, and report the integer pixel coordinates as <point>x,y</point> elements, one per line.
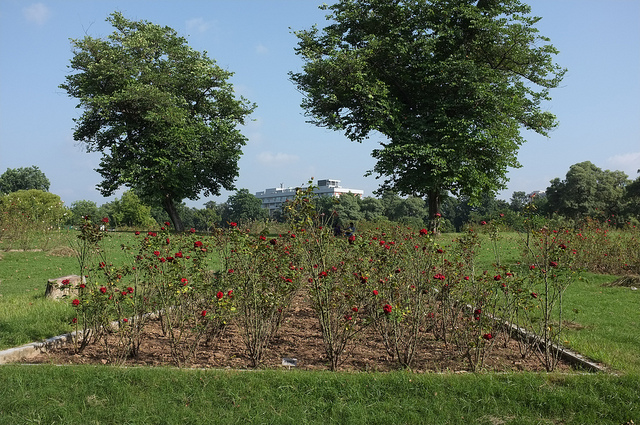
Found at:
<point>63,287</point>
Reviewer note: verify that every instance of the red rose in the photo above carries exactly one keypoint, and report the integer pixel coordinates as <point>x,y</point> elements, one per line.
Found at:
<point>192,230</point>
<point>65,281</point>
<point>204,313</point>
<point>103,289</point>
<point>197,244</point>
<point>387,309</point>
<point>178,254</point>
<point>219,295</point>
<point>166,223</point>
<point>130,290</point>
<point>424,232</point>
<point>354,309</point>
<point>375,292</point>
<point>105,219</point>
<point>156,253</point>
<point>137,233</point>
<point>497,277</point>
<point>75,302</point>
<point>477,313</point>
<point>487,336</point>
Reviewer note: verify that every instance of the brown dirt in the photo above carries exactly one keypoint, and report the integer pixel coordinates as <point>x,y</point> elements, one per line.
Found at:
<point>299,337</point>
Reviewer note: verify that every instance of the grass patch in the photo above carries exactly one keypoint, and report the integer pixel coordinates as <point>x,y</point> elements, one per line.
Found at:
<point>50,394</point>
<point>609,320</point>
<point>25,314</point>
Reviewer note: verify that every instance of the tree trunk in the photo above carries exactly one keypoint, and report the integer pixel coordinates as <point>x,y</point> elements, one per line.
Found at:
<point>170,208</point>
<point>433,198</point>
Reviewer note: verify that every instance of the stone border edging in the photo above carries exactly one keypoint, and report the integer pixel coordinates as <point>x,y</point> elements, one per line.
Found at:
<point>27,351</point>
<point>564,353</point>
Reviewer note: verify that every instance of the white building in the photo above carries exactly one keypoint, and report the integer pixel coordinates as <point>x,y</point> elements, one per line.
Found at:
<point>273,199</point>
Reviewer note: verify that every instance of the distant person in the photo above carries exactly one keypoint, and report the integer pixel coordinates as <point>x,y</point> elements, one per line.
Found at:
<point>351,230</point>
<point>351,233</point>
<point>337,230</point>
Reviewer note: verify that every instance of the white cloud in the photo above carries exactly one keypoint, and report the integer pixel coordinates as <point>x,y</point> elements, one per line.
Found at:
<point>628,162</point>
<point>277,160</point>
<point>37,13</point>
<point>261,49</point>
<point>198,25</point>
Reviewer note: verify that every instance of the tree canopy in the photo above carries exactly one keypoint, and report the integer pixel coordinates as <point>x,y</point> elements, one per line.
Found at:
<point>588,191</point>
<point>163,115</point>
<point>24,178</point>
<point>243,207</point>
<point>449,83</point>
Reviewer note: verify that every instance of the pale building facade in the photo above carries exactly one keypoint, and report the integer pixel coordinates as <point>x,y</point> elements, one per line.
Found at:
<point>273,199</point>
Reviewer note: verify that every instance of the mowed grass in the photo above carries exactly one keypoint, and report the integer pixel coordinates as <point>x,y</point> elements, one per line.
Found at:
<point>25,314</point>
<point>109,395</point>
<point>604,321</point>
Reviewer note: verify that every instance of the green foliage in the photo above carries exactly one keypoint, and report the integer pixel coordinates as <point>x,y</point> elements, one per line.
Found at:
<point>26,213</point>
<point>449,84</point>
<point>588,191</point>
<point>81,209</point>
<point>25,178</point>
<point>129,211</point>
<point>163,115</point>
<point>243,207</point>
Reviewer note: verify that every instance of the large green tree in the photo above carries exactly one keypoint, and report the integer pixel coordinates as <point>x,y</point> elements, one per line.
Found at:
<point>163,115</point>
<point>24,178</point>
<point>244,207</point>
<point>588,191</point>
<point>450,83</point>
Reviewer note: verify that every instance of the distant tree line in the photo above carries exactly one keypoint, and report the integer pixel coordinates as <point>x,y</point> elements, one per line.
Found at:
<point>586,191</point>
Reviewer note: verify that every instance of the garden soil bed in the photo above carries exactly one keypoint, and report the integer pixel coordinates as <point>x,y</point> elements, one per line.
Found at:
<point>299,337</point>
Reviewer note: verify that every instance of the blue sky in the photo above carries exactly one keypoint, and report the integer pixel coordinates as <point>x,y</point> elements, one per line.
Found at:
<point>598,103</point>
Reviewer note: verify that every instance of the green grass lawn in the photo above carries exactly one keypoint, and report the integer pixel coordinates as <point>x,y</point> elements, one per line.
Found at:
<point>605,325</point>
<point>25,314</point>
<point>109,395</point>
